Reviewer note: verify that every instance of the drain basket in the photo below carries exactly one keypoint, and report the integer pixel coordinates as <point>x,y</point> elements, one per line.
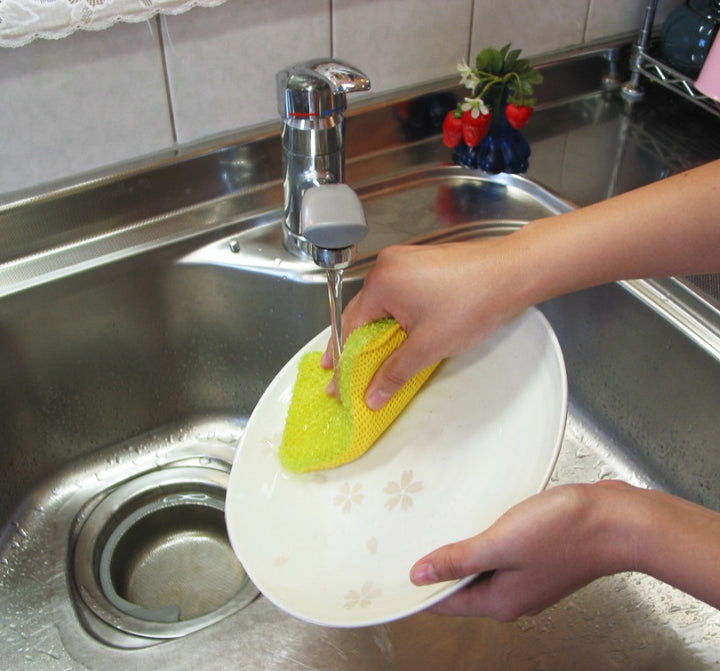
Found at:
<point>152,558</point>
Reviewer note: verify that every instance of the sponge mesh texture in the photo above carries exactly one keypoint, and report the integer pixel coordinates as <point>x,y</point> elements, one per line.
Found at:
<point>322,432</point>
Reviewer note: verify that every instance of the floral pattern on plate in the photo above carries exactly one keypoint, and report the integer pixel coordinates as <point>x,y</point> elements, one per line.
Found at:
<point>400,492</point>
<point>363,597</point>
<point>349,496</point>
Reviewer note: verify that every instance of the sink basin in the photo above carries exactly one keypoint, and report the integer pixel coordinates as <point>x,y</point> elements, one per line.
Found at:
<point>133,359</point>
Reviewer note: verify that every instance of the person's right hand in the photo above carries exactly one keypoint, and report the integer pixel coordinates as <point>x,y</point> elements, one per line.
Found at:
<point>446,297</point>
<point>449,297</point>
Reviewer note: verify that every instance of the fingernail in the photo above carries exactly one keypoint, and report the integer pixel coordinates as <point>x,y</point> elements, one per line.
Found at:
<point>423,574</point>
<point>331,389</point>
<point>377,399</point>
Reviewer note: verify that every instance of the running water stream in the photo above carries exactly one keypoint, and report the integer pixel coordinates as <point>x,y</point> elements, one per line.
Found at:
<point>334,280</point>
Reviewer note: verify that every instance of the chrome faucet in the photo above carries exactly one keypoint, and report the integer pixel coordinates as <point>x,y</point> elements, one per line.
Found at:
<point>312,102</point>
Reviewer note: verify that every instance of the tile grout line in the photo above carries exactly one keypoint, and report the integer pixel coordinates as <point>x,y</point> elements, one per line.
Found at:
<point>470,33</point>
<point>166,79</point>
<point>587,21</point>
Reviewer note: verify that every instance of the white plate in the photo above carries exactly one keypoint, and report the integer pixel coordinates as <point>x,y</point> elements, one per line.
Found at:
<point>335,547</point>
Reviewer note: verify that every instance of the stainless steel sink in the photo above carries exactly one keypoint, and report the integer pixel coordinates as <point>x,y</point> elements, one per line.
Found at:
<point>133,355</point>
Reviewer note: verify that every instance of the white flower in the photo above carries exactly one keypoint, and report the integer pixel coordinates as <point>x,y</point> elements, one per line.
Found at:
<point>467,77</point>
<point>477,106</point>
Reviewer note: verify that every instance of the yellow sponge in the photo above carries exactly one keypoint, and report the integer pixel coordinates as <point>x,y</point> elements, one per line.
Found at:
<point>324,432</point>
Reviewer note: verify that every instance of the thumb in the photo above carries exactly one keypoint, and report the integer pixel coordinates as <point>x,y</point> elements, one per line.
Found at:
<point>450,562</point>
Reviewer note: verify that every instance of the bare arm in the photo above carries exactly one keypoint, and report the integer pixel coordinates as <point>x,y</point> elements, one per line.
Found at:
<point>450,297</point>
<point>671,227</point>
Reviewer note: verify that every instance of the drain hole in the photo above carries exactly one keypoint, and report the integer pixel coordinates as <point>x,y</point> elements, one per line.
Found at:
<point>152,559</point>
<point>171,560</point>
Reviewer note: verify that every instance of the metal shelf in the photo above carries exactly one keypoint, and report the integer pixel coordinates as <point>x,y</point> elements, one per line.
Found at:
<point>663,74</point>
<point>647,66</point>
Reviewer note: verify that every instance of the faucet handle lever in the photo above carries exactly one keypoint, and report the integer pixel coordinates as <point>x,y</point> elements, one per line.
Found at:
<point>332,219</point>
<point>332,216</point>
<point>343,77</point>
<point>317,88</point>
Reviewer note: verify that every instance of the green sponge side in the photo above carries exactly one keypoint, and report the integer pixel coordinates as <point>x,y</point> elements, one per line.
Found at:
<point>317,425</point>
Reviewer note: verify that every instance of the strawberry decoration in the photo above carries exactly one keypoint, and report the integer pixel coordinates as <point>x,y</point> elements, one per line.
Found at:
<point>518,115</point>
<point>452,129</point>
<point>475,126</point>
<point>500,103</point>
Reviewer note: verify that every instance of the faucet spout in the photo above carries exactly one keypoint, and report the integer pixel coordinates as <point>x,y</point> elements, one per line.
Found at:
<point>312,102</point>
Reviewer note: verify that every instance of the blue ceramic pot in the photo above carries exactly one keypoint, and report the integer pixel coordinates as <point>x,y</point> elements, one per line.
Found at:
<point>504,149</point>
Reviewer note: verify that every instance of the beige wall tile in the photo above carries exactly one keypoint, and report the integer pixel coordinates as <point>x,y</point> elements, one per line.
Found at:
<point>401,42</point>
<point>222,62</point>
<point>535,26</point>
<point>615,17</point>
<point>76,104</point>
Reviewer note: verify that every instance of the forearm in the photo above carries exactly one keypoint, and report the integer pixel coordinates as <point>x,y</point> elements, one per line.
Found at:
<point>671,227</point>
<point>652,532</point>
<point>678,542</point>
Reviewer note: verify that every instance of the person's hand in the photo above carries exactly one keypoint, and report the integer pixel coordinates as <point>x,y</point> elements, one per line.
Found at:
<point>446,297</point>
<point>538,552</point>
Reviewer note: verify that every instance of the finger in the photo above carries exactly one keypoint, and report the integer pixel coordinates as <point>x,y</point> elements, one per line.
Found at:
<point>455,561</point>
<point>465,602</point>
<point>450,562</point>
<point>488,597</point>
<point>405,362</point>
<point>326,361</point>
<point>361,309</point>
<point>347,327</point>
<point>332,388</point>
<point>478,598</point>
<point>358,312</point>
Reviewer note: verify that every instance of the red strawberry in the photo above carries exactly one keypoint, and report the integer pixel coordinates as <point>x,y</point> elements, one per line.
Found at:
<point>452,129</point>
<point>518,115</point>
<point>475,128</point>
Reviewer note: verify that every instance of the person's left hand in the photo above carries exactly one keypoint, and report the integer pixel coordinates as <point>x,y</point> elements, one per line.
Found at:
<point>538,552</point>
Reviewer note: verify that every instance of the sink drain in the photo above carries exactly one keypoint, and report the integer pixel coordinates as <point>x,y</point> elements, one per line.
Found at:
<point>152,558</point>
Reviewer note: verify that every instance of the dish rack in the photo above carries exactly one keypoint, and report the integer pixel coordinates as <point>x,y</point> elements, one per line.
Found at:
<point>643,64</point>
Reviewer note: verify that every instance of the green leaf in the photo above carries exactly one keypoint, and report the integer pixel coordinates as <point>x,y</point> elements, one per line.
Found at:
<point>489,60</point>
<point>511,60</point>
<point>501,72</point>
<point>482,60</point>
<point>533,76</point>
<point>522,65</point>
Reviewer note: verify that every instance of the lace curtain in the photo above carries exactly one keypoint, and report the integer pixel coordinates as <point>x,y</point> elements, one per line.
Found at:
<point>21,21</point>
